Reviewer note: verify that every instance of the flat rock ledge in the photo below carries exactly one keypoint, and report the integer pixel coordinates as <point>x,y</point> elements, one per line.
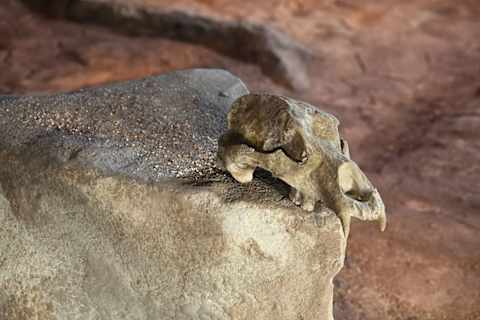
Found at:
<point>98,226</point>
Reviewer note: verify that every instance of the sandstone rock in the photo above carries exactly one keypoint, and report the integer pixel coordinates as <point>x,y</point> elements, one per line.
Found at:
<point>95,226</point>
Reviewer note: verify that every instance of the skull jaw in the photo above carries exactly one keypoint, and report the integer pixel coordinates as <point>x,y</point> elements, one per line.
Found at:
<point>241,161</point>
<point>351,194</point>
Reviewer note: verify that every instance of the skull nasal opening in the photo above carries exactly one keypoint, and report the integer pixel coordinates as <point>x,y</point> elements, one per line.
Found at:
<point>353,182</point>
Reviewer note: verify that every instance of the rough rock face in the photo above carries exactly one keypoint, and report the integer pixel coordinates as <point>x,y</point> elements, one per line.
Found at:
<point>96,226</point>
<point>153,128</point>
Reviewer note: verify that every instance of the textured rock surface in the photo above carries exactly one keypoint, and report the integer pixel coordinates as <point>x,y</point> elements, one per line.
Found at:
<point>153,128</point>
<point>91,231</point>
<point>403,78</point>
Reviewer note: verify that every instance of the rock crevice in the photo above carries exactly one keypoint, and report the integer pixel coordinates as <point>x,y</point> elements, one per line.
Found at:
<point>279,57</point>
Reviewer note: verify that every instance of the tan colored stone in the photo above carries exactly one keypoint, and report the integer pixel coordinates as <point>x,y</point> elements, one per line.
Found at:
<point>111,208</point>
<point>78,244</point>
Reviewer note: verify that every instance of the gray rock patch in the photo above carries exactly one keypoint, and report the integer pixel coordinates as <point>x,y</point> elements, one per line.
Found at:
<point>158,127</point>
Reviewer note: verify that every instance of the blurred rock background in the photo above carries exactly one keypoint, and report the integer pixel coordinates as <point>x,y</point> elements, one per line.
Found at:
<point>402,76</point>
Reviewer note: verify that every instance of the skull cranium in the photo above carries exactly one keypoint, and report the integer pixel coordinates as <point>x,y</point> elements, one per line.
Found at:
<point>300,145</point>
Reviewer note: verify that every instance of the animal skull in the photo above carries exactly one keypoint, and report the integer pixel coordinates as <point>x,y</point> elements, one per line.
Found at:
<point>300,145</point>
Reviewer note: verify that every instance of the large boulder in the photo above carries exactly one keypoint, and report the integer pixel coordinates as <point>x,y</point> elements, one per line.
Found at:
<point>111,208</point>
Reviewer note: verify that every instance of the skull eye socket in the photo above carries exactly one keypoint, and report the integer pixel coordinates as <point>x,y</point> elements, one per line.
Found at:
<point>353,183</point>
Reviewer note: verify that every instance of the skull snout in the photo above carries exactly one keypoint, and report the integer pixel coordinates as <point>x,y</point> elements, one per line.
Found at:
<point>353,183</point>
<point>364,198</point>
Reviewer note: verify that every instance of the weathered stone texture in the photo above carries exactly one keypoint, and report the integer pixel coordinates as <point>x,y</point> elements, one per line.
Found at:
<point>86,234</point>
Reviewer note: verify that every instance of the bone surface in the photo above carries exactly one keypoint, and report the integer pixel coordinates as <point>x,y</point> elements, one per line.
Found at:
<point>301,145</point>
